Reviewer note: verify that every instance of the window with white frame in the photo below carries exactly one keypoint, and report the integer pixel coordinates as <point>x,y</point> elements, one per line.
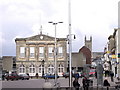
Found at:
<point>51,69</point>
<point>40,69</point>
<point>50,52</point>
<point>41,52</point>
<point>22,69</point>
<point>60,68</point>
<point>32,52</point>
<point>32,69</point>
<point>22,52</point>
<point>60,51</point>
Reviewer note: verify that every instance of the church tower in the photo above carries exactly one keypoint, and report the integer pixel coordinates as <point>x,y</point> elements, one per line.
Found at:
<point>88,43</point>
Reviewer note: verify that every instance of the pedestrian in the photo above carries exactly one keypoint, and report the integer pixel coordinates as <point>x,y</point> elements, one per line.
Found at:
<point>106,73</point>
<point>112,75</point>
<point>76,84</point>
<point>3,76</point>
<point>85,83</point>
<point>106,83</point>
<point>37,75</point>
<point>95,74</point>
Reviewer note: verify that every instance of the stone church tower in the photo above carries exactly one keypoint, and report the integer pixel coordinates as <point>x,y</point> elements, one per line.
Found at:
<point>88,43</point>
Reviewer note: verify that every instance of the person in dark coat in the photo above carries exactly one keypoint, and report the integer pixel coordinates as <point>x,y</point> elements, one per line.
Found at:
<point>112,75</point>
<point>95,74</point>
<point>76,85</point>
<point>37,75</point>
<point>106,83</point>
<point>85,83</point>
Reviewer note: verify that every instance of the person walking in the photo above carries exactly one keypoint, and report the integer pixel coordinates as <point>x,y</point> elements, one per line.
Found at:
<point>106,83</point>
<point>95,74</point>
<point>37,75</point>
<point>112,75</point>
<point>76,84</point>
<point>85,83</point>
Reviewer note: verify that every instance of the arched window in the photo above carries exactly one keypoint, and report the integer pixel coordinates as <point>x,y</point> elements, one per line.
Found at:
<point>51,69</point>
<point>32,69</point>
<point>22,69</point>
<point>40,68</point>
<point>60,68</point>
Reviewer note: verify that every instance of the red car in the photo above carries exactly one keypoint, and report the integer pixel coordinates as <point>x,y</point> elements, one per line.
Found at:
<point>12,77</point>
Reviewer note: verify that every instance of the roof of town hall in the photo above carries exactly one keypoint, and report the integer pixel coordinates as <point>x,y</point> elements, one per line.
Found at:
<point>37,37</point>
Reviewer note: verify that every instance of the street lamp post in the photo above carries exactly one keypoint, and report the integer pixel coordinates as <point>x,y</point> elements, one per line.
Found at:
<point>55,52</point>
<point>43,61</point>
<point>69,38</point>
<point>70,42</point>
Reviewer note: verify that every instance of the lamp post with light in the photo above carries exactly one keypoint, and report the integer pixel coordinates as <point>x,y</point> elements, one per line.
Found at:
<point>55,52</point>
<point>69,39</point>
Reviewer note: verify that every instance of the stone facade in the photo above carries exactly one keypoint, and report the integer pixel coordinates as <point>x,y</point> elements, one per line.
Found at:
<point>118,50</point>
<point>1,66</point>
<point>78,61</point>
<point>83,57</point>
<point>7,63</point>
<point>36,55</point>
<point>112,52</point>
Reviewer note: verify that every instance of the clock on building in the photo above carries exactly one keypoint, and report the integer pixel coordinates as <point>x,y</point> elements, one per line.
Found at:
<point>41,37</point>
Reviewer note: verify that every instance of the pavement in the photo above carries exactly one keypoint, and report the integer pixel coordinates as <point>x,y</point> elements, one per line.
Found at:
<point>115,83</point>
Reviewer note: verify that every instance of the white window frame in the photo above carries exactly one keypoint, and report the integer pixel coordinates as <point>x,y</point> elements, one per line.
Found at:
<point>60,68</point>
<point>32,52</point>
<point>22,52</point>
<point>41,52</point>
<point>50,52</point>
<point>60,52</point>
<point>32,69</point>
<point>40,69</point>
<point>22,69</point>
<point>51,69</point>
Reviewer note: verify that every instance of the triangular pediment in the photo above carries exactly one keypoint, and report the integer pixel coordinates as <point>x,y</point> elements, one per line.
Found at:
<point>40,37</point>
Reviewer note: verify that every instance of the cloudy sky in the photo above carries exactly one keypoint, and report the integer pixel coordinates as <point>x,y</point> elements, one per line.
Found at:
<point>23,18</point>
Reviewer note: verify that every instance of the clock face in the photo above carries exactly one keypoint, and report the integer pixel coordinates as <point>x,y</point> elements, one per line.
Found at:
<point>41,37</point>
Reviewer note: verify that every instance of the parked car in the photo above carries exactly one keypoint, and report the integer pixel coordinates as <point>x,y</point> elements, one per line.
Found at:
<point>77,74</point>
<point>12,76</point>
<point>24,77</point>
<point>50,76</point>
<point>66,74</point>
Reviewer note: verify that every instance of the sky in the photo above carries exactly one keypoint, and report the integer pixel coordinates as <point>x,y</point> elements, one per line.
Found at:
<point>23,18</point>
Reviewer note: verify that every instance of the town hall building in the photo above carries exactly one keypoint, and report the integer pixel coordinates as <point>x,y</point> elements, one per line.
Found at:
<point>36,55</point>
